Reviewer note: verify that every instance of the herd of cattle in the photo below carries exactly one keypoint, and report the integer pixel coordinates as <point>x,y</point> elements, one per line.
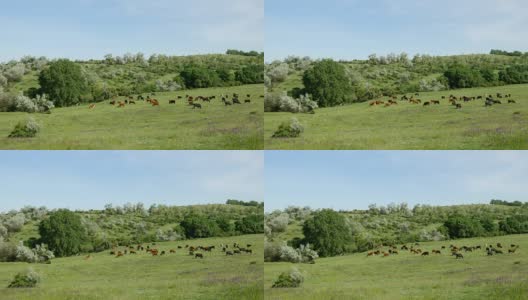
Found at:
<point>453,250</point>
<point>194,251</point>
<point>452,100</point>
<point>192,101</point>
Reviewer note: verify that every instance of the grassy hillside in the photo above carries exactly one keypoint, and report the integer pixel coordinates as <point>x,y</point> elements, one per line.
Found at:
<point>410,276</point>
<point>410,126</point>
<point>142,126</point>
<point>142,276</point>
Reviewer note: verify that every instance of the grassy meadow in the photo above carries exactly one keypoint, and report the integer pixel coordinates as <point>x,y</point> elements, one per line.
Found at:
<point>410,126</point>
<point>143,276</point>
<point>141,126</point>
<point>411,276</point>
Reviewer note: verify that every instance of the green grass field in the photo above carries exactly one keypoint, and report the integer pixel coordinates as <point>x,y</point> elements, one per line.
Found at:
<point>410,276</point>
<point>410,126</point>
<point>142,276</point>
<point>142,126</point>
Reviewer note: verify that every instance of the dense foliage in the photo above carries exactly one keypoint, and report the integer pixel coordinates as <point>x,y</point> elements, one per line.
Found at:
<point>395,74</point>
<point>67,232</point>
<point>328,232</point>
<point>63,232</point>
<point>63,82</point>
<point>328,83</point>
<point>69,82</point>
<point>391,224</point>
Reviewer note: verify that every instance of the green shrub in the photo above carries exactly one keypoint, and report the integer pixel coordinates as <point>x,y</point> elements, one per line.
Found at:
<point>289,130</point>
<point>25,280</point>
<point>292,279</point>
<point>328,83</point>
<point>64,82</point>
<point>29,129</point>
<point>63,232</point>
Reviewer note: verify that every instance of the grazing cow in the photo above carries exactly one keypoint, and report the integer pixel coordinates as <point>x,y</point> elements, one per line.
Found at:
<point>131,102</point>
<point>121,104</point>
<point>154,102</point>
<point>512,250</point>
<point>191,253</point>
<point>497,251</point>
<point>404,248</point>
<point>236,101</point>
<point>425,253</point>
<point>196,105</point>
<point>92,106</point>
<point>385,254</point>
<point>247,101</point>
<point>113,102</point>
<point>458,255</point>
<point>443,247</point>
<point>179,97</point>
<point>497,102</point>
<point>435,102</point>
<point>229,253</point>
<point>162,252</point>
<point>236,251</point>
<point>88,257</point>
<point>172,251</point>
<point>172,101</point>
<point>198,255</point>
<point>499,245</point>
<point>458,106</point>
<point>227,103</point>
<point>119,254</point>
<point>511,101</point>
<point>370,254</point>
<point>133,252</point>
<point>426,103</point>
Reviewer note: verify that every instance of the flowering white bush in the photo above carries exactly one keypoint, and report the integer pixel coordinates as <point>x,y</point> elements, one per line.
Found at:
<point>279,223</point>
<point>26,104</point>
<point>38,254</point>
<point>15,73</point>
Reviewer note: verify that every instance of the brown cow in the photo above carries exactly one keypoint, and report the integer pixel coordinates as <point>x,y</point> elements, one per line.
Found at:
<point>154,102</point>
<point>425,253</point>
<point>92,106</point>
<point>198,255</point>
<point>172,251</point>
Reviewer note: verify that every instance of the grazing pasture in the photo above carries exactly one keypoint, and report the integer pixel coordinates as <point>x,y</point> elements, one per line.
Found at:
<point>413,276</point>
<point>141,275</point>
<point>143,125</point>
<point>405,125</point>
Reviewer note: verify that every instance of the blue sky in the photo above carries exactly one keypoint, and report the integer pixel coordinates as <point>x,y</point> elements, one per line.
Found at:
<point>348,29</point>
<point>93,28</point>
<point>355,179</point>
<point>91,179</point>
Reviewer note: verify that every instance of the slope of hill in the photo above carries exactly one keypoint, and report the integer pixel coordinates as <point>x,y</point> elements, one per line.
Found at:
<point>411,276</point>
<point>141,126</point>
<point>143,276</point>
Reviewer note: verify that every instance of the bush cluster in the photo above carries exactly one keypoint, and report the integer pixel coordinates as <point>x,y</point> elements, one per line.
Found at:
<point>290,129</point>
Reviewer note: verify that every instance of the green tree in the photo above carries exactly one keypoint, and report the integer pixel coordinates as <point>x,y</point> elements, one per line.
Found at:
<point>197,226</point>
<point>250,224</point>
<point>199,77</point>
<point>459,226</point>
<point>328,232</point>
<point>462,76</point>
<point>63,82</point>
<point>63,232</point>
<point>250,74</point>
<point>328,83</point>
